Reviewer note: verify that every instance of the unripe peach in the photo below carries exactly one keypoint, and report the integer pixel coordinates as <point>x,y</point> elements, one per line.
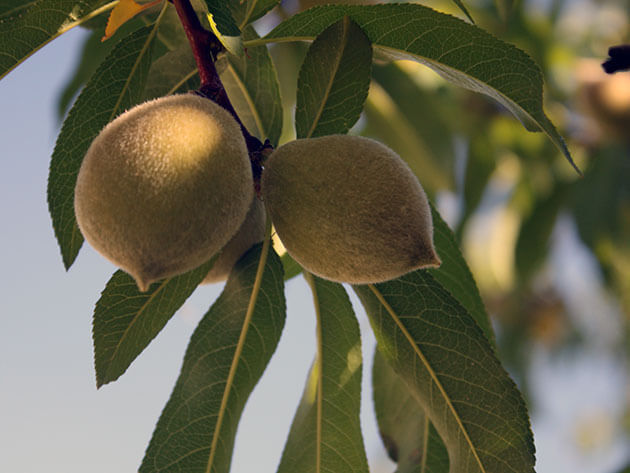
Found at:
<point>348,209</point>
<point>164,186</point>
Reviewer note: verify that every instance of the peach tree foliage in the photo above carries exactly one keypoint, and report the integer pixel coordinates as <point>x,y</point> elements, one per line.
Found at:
<point>443,401</point>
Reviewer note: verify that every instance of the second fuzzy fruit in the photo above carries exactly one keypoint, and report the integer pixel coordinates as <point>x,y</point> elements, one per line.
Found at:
<point>348,209</point>
<point>164,187</point>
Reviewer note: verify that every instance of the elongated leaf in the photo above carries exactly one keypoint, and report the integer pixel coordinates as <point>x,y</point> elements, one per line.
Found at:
<point>227,354</point>
<point>450,368</point>
<point>460,52</point>
<point>333,81</point>
<point>127,320</point>
<point>326,431</point>
<point>410,439</point>
<point>455,276</point>
<point>172,73</point>
<point>251,82</point>
<point>115,86</point>
<point>24,30</point>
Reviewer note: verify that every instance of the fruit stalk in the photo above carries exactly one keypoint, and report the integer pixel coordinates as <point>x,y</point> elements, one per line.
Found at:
<point>205,47</point>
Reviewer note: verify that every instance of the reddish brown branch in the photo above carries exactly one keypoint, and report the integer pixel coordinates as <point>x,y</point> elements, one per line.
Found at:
<point>205,47</point>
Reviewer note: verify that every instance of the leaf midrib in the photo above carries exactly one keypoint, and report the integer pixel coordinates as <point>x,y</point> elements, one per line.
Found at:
<point>544,127</point>
<point>342,49</point>
<point>239,349</point>
<point>290,39</point>
<point>128,329</point>
<point>429,369</point>
<point>320,376</point>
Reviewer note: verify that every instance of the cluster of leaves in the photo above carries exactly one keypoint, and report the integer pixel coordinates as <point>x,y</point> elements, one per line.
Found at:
<point>436,357</point>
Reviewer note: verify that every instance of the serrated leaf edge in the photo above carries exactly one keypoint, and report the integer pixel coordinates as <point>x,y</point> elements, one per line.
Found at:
<point>115,110</point>
<point>100,381</point>
<point>64,29</point>
<point>427,366</point>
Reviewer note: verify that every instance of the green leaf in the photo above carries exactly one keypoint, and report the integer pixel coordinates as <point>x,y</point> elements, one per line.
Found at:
<point>386,122</point>
<point>252,85</point>
<point>172,73</point>
<point>464,10</point>
<point>460,52</point>
<point>248,11</point>
<point>92,55</point>
<point>223,17</point>
<point>450,368</point>
<point>455,276</point>
<point>479,167</point>
<point>127,320</point>
<point>227,355</point>
<point>171,32</point>
<point>432,115</point>
<point>291,267</point>
<point>410,439</point>
<point>10,9</point>
<point>334,81</point>
<point>25,29</point>
<point>532,244</point>
<point>116,85</point>
<point>326,431</point>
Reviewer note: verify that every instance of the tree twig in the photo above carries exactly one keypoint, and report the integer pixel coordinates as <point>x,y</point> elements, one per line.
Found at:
<point>205,47</point>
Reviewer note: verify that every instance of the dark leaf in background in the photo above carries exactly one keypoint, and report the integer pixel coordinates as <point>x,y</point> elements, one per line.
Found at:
<point>532,244</point>
<point>430,115</point>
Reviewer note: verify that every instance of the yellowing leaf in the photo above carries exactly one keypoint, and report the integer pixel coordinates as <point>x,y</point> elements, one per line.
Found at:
<point>123,12</point>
